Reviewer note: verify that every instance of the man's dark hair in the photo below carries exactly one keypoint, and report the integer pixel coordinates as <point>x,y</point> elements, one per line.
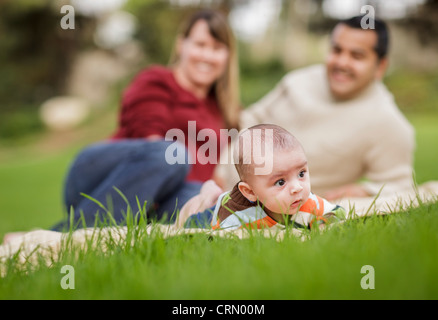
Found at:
<point>380,28</point>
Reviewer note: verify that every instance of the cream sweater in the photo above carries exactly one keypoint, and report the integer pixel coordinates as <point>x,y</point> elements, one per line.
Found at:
<point>366,138</point>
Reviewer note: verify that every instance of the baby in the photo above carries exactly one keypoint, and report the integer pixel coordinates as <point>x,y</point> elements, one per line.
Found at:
<point>273,191</point>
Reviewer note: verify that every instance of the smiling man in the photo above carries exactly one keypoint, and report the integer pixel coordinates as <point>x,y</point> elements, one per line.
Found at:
<point>357,141</point>
<point>357,58</point>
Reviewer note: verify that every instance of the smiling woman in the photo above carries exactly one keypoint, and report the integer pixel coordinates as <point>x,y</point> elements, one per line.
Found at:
<point>205,53</point>
<point>203,59</point>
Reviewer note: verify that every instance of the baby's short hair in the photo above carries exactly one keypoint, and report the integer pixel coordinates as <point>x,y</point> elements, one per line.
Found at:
<point>256,138</point>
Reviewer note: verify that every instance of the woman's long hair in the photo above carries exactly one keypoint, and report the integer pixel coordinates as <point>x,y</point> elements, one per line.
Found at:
<point>227,86</point>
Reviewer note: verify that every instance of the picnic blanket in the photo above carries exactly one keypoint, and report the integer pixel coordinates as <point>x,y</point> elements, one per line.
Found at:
<point>43,245</point>
<point>387,204</point>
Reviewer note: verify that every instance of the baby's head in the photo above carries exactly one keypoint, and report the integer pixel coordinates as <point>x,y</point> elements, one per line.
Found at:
<point>272,167</point>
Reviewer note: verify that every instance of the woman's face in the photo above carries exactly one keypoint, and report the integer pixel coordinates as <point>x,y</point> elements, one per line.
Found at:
<point>202,58</point>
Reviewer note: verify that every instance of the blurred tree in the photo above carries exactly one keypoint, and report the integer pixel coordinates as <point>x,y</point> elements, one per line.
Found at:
<point>157,26</point>
<point>35,54</point>
<point>425,22</point>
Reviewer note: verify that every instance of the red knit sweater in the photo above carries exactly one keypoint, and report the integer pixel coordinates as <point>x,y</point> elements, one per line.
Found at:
<point>155,103</point>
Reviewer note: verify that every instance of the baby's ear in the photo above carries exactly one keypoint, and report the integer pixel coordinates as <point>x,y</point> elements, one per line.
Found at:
<point>247,191</point>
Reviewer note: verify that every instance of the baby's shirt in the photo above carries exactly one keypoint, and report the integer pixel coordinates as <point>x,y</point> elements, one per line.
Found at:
<point>234,211</point>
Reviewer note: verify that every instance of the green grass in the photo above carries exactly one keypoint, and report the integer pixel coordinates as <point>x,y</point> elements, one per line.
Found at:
<point>401,248</point>
<point>31,192</point>
<point>426,154</point>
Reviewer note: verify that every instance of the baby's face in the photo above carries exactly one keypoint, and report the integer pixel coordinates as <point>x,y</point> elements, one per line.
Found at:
<point>287,187</point>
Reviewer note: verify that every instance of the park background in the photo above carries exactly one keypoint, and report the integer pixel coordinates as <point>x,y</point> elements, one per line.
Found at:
<point>60,88</point>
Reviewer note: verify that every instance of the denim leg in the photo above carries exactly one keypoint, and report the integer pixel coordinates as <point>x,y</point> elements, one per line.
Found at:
<point>138,168</point>
<point>201,219</point>
<point>168,209</point>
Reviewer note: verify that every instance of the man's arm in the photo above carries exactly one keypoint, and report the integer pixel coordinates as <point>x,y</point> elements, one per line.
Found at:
<point>388,162</point>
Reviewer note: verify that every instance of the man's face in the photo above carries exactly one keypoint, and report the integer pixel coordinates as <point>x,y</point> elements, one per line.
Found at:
<point>352,63</point>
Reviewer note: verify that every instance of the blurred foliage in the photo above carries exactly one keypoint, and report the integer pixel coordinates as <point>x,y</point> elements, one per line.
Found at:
<point>19,123</point>
<point>414,92</point>
<point>157,26</point>
<point>424,22</point>
<point>257,79</point>
<point>35,56</point>
<point>23,63</point>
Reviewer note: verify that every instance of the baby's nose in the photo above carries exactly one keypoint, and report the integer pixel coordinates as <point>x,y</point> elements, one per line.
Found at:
<point>296,187</point>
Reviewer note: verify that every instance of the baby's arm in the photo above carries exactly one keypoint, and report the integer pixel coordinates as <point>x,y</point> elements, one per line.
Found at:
<point>336,215</point>
<point>206,198</point>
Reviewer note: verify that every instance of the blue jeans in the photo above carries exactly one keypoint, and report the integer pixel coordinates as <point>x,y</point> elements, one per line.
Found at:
<point>138,168</point>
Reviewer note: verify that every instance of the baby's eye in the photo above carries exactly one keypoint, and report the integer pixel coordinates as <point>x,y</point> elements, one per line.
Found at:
<point>302,174</point>
<point>280,183</point>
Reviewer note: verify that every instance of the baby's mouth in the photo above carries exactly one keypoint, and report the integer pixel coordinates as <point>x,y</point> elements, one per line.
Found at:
<point>296,204</point>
